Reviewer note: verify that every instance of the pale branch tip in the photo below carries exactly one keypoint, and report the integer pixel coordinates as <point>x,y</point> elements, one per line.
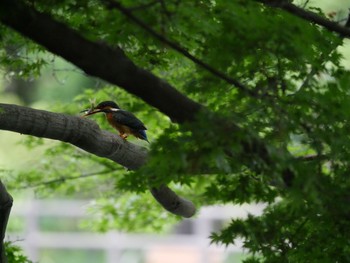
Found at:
<point>53,35</point>
<point>173,203</point>
<point>86,135</point>
<point>98,57</point>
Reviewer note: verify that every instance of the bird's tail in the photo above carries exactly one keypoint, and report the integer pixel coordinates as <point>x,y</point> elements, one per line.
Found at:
<point>143,135</point>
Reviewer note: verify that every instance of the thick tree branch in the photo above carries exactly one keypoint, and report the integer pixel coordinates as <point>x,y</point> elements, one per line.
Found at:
<point>309,16</point>
<point>75,130</point>
<point>97,59</point>
<point>114,66</point>
<point>172,202</point>
<point>5,209</point>
<point>84,134</point>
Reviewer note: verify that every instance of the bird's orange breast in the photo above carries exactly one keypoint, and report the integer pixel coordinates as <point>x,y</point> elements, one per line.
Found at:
<point>119,127</point>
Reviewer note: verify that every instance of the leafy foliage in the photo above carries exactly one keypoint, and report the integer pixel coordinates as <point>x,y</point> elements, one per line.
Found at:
<point>298,107</point>
<point>15,254</point>
<point>129,212</point>
<point>18,56</point>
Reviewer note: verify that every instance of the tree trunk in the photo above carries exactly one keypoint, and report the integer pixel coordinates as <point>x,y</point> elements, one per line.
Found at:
<point>5,209</point>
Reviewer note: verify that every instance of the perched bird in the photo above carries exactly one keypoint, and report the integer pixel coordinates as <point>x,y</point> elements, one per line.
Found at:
<point>123,121</point>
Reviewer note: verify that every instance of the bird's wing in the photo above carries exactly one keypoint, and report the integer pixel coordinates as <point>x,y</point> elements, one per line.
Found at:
<point>128,119</point>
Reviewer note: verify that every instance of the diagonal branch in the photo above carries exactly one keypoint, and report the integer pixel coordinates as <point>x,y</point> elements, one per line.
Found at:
<point>63,179</point>
<point>84,134</point>
<point>75,130</point>
<point>177,47</point>
<point>114,66</point>
<point>143,6</point>
<point>172,202</point>
<point>309,16</point>
<point>97,59</point>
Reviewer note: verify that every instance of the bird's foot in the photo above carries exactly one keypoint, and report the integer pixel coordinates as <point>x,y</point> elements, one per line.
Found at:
<point>123,136</point>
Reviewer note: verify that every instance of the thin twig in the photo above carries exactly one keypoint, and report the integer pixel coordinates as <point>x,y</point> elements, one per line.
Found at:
<point>323,57</point>
<point>297,231</point>
<point>144,6</point>
<point>165,9</point>
<point>63,179</point>
<point>313,157</point>
<point>308,77</point>
<point>5,209</point>
<point>306,3</point>
<point>116,5</point>
<point>309,16</point>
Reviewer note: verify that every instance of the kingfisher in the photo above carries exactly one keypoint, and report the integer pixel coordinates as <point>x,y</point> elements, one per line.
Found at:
<point>123,121</point>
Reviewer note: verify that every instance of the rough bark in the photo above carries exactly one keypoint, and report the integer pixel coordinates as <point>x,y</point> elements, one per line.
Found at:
<point>111,4</point>
<point>76,130</point>
<point>86,135</point>
<point>172,202</point>
<point>111,64</point>
<point>97,59</point>
<point>114,66</point>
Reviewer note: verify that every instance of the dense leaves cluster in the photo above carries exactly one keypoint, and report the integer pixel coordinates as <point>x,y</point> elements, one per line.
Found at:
<point>297,106</point>
<point>14,254</point>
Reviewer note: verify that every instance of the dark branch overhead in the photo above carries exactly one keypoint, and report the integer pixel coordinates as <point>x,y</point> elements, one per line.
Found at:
<point>309,16</point>
<point>111,64</point>
<point>97,59</point>
<point>178,47</point>
<point>288,147</point>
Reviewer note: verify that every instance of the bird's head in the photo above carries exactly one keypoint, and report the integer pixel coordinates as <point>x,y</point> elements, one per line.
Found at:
<point>105,106</point>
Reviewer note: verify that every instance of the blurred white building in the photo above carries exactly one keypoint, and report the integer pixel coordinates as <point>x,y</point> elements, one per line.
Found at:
<point>188,243</point>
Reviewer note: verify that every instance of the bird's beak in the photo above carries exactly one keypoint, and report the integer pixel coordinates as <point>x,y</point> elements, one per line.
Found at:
<point>90,112</point>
